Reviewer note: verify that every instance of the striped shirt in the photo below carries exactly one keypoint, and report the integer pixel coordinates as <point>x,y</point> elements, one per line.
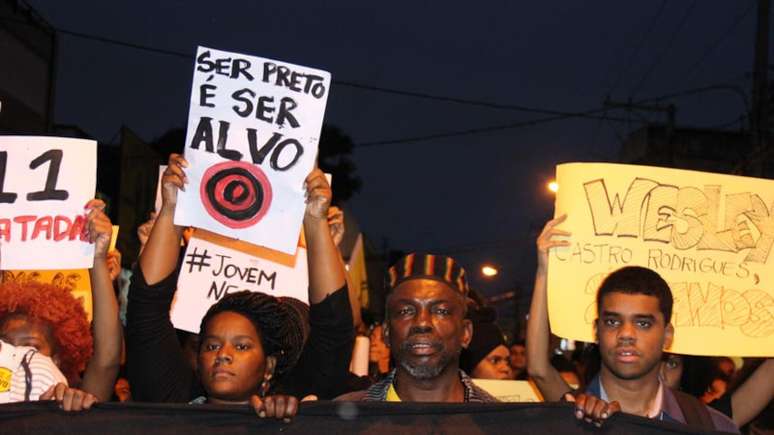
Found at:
<point>473,394</point>
<point>25,373</point>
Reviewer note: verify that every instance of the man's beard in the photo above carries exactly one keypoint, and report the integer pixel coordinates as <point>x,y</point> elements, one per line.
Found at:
<point>427,371</point>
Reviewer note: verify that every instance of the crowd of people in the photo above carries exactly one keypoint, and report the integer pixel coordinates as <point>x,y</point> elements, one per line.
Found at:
<point>270,353</point>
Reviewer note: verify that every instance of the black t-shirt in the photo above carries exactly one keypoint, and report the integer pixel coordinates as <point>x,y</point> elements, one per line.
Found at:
<point>158,371</point>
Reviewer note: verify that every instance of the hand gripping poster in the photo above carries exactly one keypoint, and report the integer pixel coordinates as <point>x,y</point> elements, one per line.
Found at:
<point>710,236</point>
<point>253,130</point>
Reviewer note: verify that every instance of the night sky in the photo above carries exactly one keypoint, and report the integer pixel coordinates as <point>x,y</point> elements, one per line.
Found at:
<point>479,197</point>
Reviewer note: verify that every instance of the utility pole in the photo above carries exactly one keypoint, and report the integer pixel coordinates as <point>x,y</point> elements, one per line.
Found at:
<point>669,109</point>
<point>759,119</point>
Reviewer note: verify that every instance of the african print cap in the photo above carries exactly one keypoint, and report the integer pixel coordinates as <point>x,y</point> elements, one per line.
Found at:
<point>437,267</point>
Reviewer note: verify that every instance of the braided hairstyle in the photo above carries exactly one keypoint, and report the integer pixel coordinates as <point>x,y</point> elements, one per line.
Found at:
<point>280,324</point>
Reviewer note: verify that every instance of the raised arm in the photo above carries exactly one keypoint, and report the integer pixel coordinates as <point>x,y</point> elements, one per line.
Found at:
<point>157,368</point>
<point>546,377</point>
<point>159,257</point>
<point>336,224</point>
<point>326,269</point>
<point>324,364</point>
<point>102,369</point>
<point>754,394</point>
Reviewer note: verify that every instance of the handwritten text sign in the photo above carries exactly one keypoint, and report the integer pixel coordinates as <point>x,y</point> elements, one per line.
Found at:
<point>253,130</point>
<point>510,391</point>
<point>44,184</point>
<point>215,266</point>
<point>709,235</point>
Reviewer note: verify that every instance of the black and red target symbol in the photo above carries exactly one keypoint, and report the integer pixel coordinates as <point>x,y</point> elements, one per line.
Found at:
<point>236,194</point>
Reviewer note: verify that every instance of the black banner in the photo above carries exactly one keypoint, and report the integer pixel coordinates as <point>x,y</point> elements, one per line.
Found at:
<point>321,418</point>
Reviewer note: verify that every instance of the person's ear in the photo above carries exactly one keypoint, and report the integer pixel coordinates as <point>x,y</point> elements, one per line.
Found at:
<point>386,333</point>
<point>669,336</point>
<point>467,333</point>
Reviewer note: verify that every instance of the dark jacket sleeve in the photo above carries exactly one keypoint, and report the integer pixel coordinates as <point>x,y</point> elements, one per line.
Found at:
<point>323,366</point>
<point>156,366</point>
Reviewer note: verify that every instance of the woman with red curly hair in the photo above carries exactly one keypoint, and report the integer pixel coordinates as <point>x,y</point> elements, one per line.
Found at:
<point>53,321</point>
<point>49,319</point>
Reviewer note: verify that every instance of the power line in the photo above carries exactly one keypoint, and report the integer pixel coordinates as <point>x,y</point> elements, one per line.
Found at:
<point>350,84</point>
<point>657,61</point>
<point>628,65</point>
<point>447,99</point>
<point>693,91</point>
<point>589,114</point>
<point>556,115</point>
<point>637,49</point>
<point>520,124</point>
<point>126,44</point>
<point>712,47</point>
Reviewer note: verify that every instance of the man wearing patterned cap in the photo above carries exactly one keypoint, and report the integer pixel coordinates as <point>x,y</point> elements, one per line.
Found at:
<point>426,330</point>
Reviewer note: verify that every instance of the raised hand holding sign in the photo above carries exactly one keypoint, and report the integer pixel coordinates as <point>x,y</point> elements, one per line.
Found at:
<point>253,130</point>
<point>710,236</point>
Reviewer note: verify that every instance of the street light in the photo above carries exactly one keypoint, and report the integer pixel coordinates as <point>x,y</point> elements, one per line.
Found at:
<point>489,271</point>
<point>553,186</point>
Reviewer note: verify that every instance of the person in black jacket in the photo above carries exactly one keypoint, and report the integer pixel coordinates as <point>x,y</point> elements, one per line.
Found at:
<point>157,368</point>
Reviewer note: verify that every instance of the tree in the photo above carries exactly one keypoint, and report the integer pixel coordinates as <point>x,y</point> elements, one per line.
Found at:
<point>334,158</point>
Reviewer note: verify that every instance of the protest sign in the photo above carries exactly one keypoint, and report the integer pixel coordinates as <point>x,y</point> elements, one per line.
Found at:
<point>44,184</point>
<point>510,391</point>
<point>113,238</point>
<point>75,280</point>
<point>356,269</point>
<point>215,265</point>
<point>253,130</point>
<point>710,237</point>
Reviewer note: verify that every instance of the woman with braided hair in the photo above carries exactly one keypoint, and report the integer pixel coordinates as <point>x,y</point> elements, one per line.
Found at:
<point>157,367</point>
<point>247,340</point>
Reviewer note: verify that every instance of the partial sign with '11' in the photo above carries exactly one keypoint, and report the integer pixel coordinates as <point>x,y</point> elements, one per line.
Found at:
<point>45,182</point>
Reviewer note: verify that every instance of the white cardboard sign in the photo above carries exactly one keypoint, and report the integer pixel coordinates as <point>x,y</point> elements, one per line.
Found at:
<point>210,271</point>
<point>253,129</point>
<point>44,184</point>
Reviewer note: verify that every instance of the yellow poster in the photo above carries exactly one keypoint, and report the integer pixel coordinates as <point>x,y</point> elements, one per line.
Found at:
<point>75,280</point>
<point>356,268</point>
<point>510,391</point>
<point>710,236</point>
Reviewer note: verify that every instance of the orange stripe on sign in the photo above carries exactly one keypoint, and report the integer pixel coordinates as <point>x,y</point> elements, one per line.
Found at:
<point>408,265</point>
<point>250,249</point>
<point>429,264</point>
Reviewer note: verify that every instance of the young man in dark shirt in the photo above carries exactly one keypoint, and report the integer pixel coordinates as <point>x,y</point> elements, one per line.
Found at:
<point>634,307</point>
